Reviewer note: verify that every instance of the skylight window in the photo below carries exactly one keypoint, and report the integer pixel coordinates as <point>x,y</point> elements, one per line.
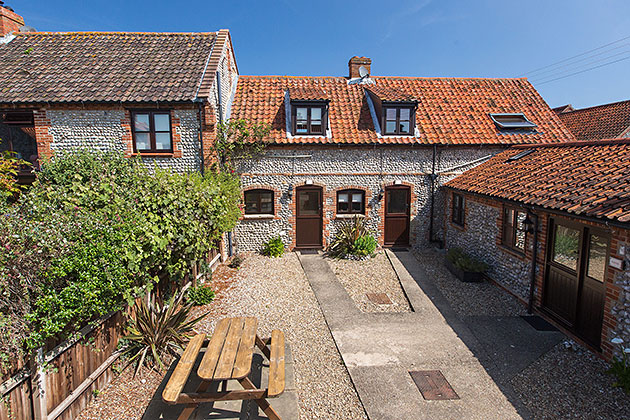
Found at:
<point>520,155</point>
<point>512,121</point>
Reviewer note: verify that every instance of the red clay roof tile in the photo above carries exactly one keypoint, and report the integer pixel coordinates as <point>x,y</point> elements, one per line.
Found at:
<point>585,178</point>
<point>598,122</point>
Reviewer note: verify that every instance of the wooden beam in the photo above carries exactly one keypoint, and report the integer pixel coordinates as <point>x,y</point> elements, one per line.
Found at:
<point>198,398</point>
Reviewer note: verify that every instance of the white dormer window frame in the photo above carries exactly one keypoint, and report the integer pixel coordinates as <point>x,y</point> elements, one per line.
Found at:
<point>512,121</point>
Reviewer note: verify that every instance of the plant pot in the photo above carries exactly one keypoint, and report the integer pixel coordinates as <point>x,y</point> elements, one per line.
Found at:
<point>465,276</point>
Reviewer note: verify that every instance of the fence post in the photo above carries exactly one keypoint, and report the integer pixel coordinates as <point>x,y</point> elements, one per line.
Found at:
<point>38,385</point>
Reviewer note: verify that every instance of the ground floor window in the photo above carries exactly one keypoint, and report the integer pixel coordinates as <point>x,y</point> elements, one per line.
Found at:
<point>513,235</point>
<point>259,201</point>
<point>351,202</point>
<point>458,209</point>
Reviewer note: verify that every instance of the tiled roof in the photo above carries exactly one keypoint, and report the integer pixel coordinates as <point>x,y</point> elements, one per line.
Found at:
<point>585,178</point>
<point>308,93</point>
<point>598,122</point>
<point>388,94</point>
<point>103,66</point>
<point>450,111</point>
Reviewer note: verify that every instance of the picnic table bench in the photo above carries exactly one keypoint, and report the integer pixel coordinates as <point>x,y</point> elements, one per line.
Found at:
<point>228,356</point>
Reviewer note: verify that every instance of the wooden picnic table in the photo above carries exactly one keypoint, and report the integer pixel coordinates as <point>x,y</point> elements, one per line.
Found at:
<point>228,356</point>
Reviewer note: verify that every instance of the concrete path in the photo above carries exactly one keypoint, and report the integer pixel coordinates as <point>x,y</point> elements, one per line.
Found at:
<point>286,404</point>
<point>379,350</point>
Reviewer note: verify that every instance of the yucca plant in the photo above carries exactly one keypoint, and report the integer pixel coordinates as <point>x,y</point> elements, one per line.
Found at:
<point>159,329</point>
<point>352,235</point>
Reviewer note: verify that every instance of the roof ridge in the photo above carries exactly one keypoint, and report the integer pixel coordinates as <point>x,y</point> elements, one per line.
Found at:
<point>596,106</point>
<point>384,77</point>
<point>602,142</point>
<point>109,33</point>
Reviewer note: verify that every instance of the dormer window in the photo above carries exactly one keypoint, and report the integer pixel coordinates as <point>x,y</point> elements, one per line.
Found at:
<point>512,121</point>
<point>309,118</point>
<point>398,120</point>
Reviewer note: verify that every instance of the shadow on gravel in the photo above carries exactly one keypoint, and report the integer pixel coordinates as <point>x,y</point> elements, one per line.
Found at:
<point>504,345</point>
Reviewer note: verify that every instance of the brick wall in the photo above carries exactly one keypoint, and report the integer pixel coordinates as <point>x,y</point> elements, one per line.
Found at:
<point>9,21</point>
<point>481,237</point>
<point>333,168</point>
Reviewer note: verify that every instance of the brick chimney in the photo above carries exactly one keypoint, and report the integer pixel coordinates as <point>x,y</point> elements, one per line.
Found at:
<point>356,62</point>
<point>9,20</point>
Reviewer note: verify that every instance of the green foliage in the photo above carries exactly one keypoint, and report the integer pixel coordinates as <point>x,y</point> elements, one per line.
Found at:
<point>9,167</point>
<point>353,239</point>
<point>93,232</point>
<point>158,329</point>
<point>465,262</point>
<point>273,247</point>
<point>239,139</point>
<point>236,262</point>
<point>200,295</point>
<point>620,367</point>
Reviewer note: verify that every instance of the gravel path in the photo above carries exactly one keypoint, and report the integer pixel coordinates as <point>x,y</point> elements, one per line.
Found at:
<point>375,275</point>
<point>276,291</point>
<point>571,384</point>
<point>469,299</point>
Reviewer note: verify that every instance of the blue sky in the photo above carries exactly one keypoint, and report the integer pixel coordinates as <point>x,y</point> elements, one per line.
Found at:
<point>461,38</point>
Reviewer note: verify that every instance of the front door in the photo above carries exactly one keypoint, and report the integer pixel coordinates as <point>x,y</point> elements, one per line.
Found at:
<point>397,206</point>
<point>309,217</point>
<point>574,279</point>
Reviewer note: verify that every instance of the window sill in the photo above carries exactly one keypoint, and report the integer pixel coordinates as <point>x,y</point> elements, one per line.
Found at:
<point>154,154</point>
<point>349,216</point>
<point>512,251</point>
<point>458,226</point>
<point>258,216</point>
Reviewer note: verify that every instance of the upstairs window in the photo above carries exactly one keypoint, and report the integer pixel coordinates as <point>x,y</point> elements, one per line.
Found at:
<point>458,210</point>
<point>309,118</point>
<point>259,202</point>
<point>398,120</point>
<point>351,202</point>
<point>152,131</point>
<point>512,121</point>
<point>513,235</point>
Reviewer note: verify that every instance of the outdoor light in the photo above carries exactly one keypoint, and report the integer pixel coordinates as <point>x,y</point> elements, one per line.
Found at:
<point>290,191</point>
<point>380,194</point>
<point>529,224</point>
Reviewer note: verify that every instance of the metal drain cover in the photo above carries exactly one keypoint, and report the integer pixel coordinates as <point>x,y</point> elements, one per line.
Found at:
<point>433,385</point>
<point>379,298</point>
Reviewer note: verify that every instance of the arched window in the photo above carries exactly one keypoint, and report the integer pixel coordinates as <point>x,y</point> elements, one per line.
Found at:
<point>259,201</point>
<point>351,202</point>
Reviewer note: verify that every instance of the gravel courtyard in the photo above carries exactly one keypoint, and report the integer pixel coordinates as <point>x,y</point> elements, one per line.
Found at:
<point>374,275</point>
<point>274,290</point>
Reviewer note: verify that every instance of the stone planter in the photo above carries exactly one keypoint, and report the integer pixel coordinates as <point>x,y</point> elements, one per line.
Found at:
<point>465,276</point>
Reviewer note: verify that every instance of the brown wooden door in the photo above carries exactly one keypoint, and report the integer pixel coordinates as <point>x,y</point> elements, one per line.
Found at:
<point>309,217</point>
<point>397,206</point>
<point>574,278</point>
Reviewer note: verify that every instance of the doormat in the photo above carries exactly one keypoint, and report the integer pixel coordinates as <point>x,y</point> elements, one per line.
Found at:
<point>400,249</point>
<point>538,323</point>
<point>433,385</point>
<point>308,252</point>
<point>379,298</point>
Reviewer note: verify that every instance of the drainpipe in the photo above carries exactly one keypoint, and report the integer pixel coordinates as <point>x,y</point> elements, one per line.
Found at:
<point>532,285</point>
<point>432,207</point>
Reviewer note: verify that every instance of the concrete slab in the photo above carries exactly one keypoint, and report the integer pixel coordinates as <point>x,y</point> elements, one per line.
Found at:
<point>380,349</point>
<point>286,404</point>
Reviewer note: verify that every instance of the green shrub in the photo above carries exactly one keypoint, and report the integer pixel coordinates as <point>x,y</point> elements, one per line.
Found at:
<point>158,329</point>
<point>364,246</point>
<point>200,295</point>
<point>465,262</point>
<point>353,239</point>
<point>620,367</point>
<point>236,261</point>
<point>273,247</point>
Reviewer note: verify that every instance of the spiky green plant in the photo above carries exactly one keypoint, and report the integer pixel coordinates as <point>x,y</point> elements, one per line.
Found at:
<point>158,329</point>
<point>352,239</point>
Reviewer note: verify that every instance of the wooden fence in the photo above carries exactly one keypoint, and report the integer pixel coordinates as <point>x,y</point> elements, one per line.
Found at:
<point>60,383</point>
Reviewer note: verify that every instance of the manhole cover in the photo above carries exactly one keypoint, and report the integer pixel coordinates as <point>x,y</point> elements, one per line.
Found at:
<point>538,323</point>
<point>379,298</point>
<point>433,385</point>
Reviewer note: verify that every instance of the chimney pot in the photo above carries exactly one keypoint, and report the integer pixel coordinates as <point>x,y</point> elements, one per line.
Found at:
<point>356,62</point>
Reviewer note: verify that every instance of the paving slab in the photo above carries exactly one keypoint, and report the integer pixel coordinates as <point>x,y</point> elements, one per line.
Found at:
<point>286,405</point>
<point>379,350</point>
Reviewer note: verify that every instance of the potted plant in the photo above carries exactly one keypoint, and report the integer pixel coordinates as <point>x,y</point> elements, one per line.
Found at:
<point>464,267</point>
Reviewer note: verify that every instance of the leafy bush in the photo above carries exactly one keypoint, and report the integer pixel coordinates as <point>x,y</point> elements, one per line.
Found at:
<point>353,239</point>
<point>273,247</point>
<point>200,295</point>
<point>9,167</point>
<point>158,329</point>
<point>620,367</point>
<point>236,262</point>
<point>465,262</point>
<point>93,231</point>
